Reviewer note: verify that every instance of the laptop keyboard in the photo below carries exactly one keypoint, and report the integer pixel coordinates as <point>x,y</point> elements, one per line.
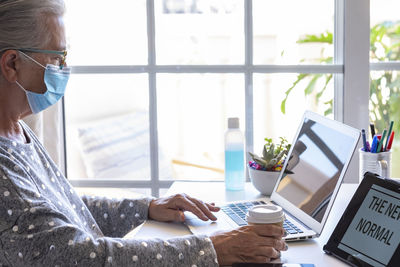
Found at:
<point>237,212</point>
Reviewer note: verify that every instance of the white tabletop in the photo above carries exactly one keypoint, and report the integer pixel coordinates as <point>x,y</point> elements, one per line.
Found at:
<point>308,251</point>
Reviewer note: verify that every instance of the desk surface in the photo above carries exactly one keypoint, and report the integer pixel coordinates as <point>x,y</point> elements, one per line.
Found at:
<point>309,251</point>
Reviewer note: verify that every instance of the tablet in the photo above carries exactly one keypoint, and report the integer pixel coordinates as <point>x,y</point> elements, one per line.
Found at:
<point>368,234</point>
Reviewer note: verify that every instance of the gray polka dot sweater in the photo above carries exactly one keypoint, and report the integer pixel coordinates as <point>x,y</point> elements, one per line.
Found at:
<point>43,222</point>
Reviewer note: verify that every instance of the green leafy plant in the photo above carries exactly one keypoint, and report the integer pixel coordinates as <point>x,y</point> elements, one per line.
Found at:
<point>384,86</point>
<point>272,157</point>
<point>323,38</point>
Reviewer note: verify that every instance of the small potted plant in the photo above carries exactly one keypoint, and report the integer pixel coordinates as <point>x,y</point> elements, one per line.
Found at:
<point>264,170</point>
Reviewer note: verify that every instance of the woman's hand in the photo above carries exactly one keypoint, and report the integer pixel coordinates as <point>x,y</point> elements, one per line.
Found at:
<point>251,243</point>
<point>172,208</point>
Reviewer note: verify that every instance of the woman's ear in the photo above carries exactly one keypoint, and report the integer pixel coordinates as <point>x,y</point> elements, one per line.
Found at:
<point>8,62</point>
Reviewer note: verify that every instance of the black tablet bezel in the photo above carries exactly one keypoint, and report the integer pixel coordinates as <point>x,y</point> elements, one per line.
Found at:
<point>332,246</point>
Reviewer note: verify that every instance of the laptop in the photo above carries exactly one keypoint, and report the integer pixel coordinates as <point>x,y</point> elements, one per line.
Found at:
<point>307,185</point>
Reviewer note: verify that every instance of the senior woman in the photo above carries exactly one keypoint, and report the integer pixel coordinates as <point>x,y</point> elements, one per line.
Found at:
<point>43,222</point>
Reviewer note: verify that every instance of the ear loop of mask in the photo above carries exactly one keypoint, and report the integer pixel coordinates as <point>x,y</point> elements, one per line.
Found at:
<point>41,65</point>
<point>20,86</point>
<point>25,91</point>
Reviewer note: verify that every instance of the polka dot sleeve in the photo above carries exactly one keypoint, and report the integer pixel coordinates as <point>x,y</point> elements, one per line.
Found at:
<point>37,234</point>
<point>117,217</point>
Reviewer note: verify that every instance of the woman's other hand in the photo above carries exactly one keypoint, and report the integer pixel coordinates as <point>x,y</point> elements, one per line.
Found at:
<point>171,208</point>
<point>251,243</point>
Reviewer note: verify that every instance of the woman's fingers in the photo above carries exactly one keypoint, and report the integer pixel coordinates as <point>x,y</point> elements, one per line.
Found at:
<point>257,254</point>
<point>184,203</point>
<point>197,207</point>
<point>268,230</point>
<point>272,242</point>
<point>266,251</point>
<point>171,208</point>
<point>204,208</point>
<point>260,252</point>
<point>212,207</point>
<point>249,244</point>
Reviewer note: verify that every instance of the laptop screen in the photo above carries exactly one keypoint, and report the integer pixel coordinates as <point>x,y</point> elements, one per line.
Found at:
<point>314,166</point>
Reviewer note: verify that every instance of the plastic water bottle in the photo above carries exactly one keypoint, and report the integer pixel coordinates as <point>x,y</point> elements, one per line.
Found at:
<point>234,156</point>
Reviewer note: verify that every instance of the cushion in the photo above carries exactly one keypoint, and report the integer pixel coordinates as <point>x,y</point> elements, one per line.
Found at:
<point>118,147</point>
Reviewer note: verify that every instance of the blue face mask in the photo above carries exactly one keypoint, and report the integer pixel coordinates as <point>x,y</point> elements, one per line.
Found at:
<point>56,80</point>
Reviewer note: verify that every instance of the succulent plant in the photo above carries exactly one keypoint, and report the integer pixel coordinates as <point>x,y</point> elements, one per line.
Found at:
<point>272,157</point>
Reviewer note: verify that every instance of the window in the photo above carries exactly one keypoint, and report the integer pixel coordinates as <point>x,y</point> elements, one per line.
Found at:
<point>385,70</point>
<point>154,82</point>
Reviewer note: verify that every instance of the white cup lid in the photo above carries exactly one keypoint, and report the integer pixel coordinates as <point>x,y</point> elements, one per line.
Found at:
<point>265,214</point>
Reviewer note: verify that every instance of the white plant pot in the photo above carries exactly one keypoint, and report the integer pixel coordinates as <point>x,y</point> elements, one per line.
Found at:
<point>263,181</point>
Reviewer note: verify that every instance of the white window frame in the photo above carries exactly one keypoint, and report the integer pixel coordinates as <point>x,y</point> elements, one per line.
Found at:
<point>351,69</point>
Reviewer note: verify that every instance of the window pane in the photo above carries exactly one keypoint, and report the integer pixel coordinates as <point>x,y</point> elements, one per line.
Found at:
<point>107,126</point>
<point>163,191</point>
<point>199,32</point>
<point>103,33</point>
<point>269,92</point>
<point>192,119</point>
<point>385,30</point>
<point>384,106</point>
<point>280,26</point>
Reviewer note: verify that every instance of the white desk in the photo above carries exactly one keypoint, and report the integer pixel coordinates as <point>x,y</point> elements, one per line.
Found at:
<point>309,251</point>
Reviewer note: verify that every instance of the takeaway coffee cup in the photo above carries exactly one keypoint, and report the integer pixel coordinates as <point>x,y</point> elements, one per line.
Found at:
<point>379,163</point>
<point>266,214</point>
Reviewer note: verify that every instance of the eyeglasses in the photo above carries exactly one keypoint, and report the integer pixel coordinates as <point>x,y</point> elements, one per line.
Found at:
<point>63,54</point>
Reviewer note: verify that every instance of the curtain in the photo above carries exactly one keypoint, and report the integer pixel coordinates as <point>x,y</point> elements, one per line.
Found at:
<point>48,127</point>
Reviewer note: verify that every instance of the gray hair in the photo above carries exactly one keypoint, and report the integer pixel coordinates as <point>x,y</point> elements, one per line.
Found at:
<point>22,24</point>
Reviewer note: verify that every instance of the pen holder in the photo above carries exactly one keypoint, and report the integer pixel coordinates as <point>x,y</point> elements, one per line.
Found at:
<point>379,163</point>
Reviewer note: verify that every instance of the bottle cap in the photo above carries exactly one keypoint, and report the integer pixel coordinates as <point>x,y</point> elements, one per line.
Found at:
<point>264,214</point>
<point>233,123</point>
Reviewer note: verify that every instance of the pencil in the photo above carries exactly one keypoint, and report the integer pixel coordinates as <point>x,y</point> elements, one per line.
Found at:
<point>381,141</point>
<point>389,133</point>
<point>372,126</point>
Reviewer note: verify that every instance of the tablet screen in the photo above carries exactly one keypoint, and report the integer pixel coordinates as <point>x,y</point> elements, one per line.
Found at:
<point>373,235</point>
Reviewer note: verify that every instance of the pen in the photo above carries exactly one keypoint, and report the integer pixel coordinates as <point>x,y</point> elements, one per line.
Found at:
<point>364,140</point>
<point>379,149</point>
<point>389,134</point>
<point>374,144</point>
<point>390,141</point>
<point>368,147</point>
<point>372,126</point>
